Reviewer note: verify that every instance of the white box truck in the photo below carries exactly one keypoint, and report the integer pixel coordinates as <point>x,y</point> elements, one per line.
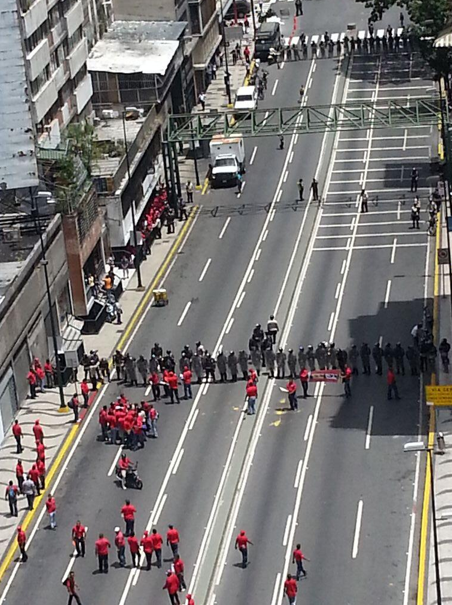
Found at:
<point>228,158</point>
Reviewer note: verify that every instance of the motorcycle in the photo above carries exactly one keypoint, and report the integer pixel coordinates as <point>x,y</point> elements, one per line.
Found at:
<point>133,480</point>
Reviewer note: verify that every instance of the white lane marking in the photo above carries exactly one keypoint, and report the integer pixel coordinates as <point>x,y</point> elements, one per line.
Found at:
<point>388,292</point>
<point>147,391</point>
<point>286,531</point>
<point>286,176</point>
<point>352,224</point>
<point>369,428</point>
<point>155,518</point>
<point>404,139</point>
<point>204,271</point>
<point>258,255</point>
<point>374,247</point>
<point>274,86</point>
<point>349,241</point>
<point>225,226</point>
<point>363,235</point>
<point>308,427</point>
<point>344,264</point>
<point>359,517</point>
<point>394,247</point>
<point>298,474</point>
<point>380,341</point>
<point>184,313</point>
<point>315,67</point>
<point>242,296</point>
<point>272,215</point>
<point>291,157</point>
<point>71,561</point>
<point>330,323</point>
<point>250,276</point>
<point>295,141</point>
<point>365,224</point>
<point>253,155</point>
<point>279,195</point>
<point>179,458</point>
<point>193,420</point>
<point>276,587</point>
<point>115,461</point>
<point>338,289</point>
<point>228,329</point>
<point>205,388</point>
<point>265,235</point>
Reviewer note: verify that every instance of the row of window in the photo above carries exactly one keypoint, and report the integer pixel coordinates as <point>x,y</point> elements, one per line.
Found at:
<point>55,16</point>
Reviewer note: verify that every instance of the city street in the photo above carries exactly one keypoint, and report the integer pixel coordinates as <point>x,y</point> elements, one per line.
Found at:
<point>331,476</point>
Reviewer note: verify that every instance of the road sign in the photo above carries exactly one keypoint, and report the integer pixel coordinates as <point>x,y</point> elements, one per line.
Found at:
<point>443,256</point>
<point>439,395</point>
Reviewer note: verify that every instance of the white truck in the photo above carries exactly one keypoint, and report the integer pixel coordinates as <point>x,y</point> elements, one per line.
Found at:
<point>228,158</point>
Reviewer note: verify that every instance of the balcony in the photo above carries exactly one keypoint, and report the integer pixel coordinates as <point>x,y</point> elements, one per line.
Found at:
<point>59,77</point>
<point>83,93</point>
<point>77,57</point>
<point>206,45</point>
<point>58,33</point>
<point>34,16</point>
<point>44,100</point>
<point>38,59</point>
<point>74,18</point>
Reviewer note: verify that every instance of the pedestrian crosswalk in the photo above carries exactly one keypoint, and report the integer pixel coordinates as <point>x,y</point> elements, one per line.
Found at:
<point>336,37</point>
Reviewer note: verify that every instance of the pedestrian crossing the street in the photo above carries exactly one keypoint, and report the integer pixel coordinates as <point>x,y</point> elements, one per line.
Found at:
<point>336,37</point>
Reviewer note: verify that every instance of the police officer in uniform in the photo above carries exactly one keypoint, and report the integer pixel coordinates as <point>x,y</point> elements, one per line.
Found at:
<point>399,354</point>
<point>353,357</point>
<point>332,356</point>
<point>377,354</point>
<point>412,356</point>
<point>310,356</point>
<point>388,354</point>
<point>256,361</point>
<point>321,355</point>
<point>197,367</point>
<point>292,363</point>
<point>281,363</point>
<point>232,364</point>
<point>243,363</point>
<point>365,357</point>
<point>270,358</point>
<point>301,358</point>
<point>221,364</point>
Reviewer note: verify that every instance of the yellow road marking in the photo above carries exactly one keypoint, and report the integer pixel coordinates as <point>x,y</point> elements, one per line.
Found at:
<point>276,423</point>
<point>430,443</point>
<point>71,435</point>
<point>205,186</point>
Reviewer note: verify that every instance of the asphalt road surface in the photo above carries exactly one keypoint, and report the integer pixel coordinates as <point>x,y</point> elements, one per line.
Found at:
<point>332,476</point>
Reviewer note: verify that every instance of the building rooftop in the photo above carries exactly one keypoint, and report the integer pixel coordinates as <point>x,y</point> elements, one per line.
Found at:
<point>18,165</point>
<point>137,47</point>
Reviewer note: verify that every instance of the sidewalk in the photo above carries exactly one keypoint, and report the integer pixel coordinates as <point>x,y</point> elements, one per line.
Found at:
<point>57,425</point>
<point>442,463</point>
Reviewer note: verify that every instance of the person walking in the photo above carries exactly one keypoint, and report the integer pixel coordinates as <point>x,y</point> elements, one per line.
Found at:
<point>298,8</point>
<point>202,100</point>
<point>157,542</point>
<point>415,217</point>
<point>281,142</point>
<point>11,494</point>
<point>300,189</point>
<point>29,491</point>
<point>172,586</point>
<point>364,199</point>
<point>20,474</point>
<point>414,179</point>
<point>101,547</point>
<point>78,538</point>
<point>346,379</point>
<point>32,380</point>
<point>173,383</point>
<point>72,588</point>
<point>172,539</point>
<point>290,589</point>
<point>292,392</point>
<point>153,417</point>
<point>182,207</point>
<point>392,384</point>
<point>74,404</point>
<point>298,558</point>
<point>179,568</point>
<point>315,190</point>
<point>128,514</point>
<point>84,388</point>
<point>147,545</point>
<point>186,379</point>
<point>49,372</point>
<point>134,549</point>
<point>51,510</point>
<point>17,432</point>
<point>377,354</point>
<point>251,396</point>
<point>365,358</point>
<point>189,191</point>
<point>22,542</point>
<point>241,543</point>
<point>38,432</point>
<point>304,379</point>
<point>120,543</point>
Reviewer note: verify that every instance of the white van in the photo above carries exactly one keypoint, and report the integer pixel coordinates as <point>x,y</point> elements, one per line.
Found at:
<point>246,98</point>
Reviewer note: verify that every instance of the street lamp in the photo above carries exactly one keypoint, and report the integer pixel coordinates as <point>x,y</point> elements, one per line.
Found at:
<point>135,241</point>
<point>419,446</point>
<point>227,74</point>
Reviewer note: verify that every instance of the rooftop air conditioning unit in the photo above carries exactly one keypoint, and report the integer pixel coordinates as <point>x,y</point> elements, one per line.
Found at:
<point>109,114</point>
<point>11,234</point>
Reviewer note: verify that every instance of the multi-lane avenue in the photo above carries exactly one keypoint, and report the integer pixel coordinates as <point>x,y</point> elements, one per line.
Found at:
<point>333,476</point>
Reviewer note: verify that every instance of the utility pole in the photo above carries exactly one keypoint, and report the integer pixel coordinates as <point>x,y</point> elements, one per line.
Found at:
<point>226,65</point>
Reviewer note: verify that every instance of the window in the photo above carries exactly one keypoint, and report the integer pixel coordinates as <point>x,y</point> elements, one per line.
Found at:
<point>36,37</point>
<point>39,82</point>
<point>195,21</point>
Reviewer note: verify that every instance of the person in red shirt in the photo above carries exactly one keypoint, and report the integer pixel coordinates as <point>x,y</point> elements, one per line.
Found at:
<point>19,474</point>
<point>128,513</point>
<point>252,375</point>
<point>17,432</point>
<point>41,468</point>
<point>190,600</point>
<point>153,417</point>
<point>346,379</point>
<point>241,543</point>
<point>186,377</point>
<point>120,543</point>
<point>38,432</point>
<point>290,589</point>
<point>292,392</point>
<point>103,421</point>
<point>40,451</point>
<point>40,375</point>
<point>124,463</point>
<point>179,568</point>
<point>78,537</point>
<point>134,549</point>
<point>148,546</point>
<point>172,539</point>
<point>33,473</point>
<point>157,542</point>
<point>31,378</point>
<point>251,396</point>
<point>155,384</point>
<point>22,541</point>
<point>84,387</point>
<point>172,586</point>
<point>173,386</point>
<point>298,558</point>
<point>392,384</point>
<point>101,549</point>
<point>304,378</point>
<point>72,589</point>
<point>49,371</point>
<point>51,510</point>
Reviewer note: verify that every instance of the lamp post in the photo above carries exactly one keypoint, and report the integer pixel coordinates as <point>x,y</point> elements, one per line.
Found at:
<point>45,264</point>
<point>419,446</point>
<point>226,65</point>
<point>135,241</point>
